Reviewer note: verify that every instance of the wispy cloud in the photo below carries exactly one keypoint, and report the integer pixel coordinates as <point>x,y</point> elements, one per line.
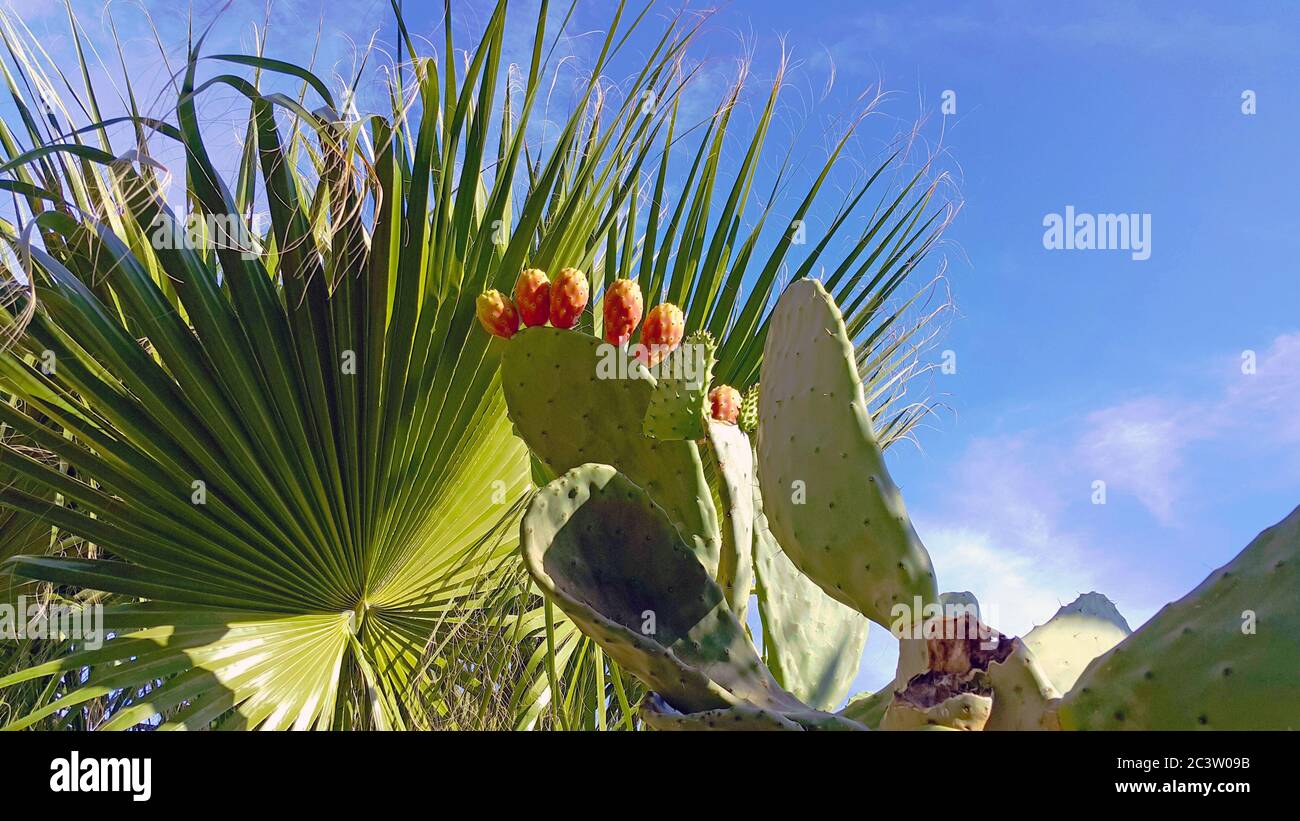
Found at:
<point>1001,534</point>
<point>1266,402</point>
<point>1136,447</point>
<point>1140,446</point>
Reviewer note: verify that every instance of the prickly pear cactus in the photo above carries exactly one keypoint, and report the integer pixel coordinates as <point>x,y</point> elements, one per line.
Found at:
<point>826,491</point>
<point>733,457</point>
<point>813,642</point>
<point>610,558</point>
<point>679,405</point>
<point>1224,657</point>
<point>1078,633</point>
<point>573,404</point>
<point>632,560</point>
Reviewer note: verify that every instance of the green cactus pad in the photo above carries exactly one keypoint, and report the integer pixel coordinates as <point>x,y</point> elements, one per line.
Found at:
<point>569,411</point>
<point>742,717</point>
<point>734,459</point>
<point>609,557</point>
<point>1197,665</point>
<point>659,715</point>
<point>813,642</point>
<point>748,420</point>
<point>818,721</point>
<point>1079,632</point>
<point>679,402</point>
<point>1023,696</point>
<point>826,492</point>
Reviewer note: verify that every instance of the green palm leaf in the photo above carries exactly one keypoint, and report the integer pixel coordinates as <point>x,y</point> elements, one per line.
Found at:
<point>292,445</point>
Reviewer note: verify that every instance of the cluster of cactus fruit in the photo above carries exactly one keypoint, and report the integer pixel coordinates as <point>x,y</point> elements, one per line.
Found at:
<point>669,508</point>
<point>538,301</point>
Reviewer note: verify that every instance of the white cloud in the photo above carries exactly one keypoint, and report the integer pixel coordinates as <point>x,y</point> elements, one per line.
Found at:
<point>1136,447</point>
<point>1001,536</point>
<point>1267,401</point>
<point>1018,584</point>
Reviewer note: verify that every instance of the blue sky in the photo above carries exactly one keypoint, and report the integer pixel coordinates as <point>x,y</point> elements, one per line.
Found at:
<point>1072,365</point>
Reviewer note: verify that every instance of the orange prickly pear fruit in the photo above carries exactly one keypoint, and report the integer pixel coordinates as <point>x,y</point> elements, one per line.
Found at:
<point>533,297</point>
<point>663,330</point>
<point>497,314</point>
<point>569,295</point>
<point>623,308</point>
<point>724,404</point>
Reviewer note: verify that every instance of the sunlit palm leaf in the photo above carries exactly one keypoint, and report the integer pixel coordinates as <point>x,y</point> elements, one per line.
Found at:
<point>292,443</point>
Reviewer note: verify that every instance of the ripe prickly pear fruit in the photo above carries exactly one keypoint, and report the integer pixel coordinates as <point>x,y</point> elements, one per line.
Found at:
<point>663,330</point>
<point>533,297</point>
<point>623,309</point>
<point>569,295</point>
<point>724,404</point>
<point>497,314</point>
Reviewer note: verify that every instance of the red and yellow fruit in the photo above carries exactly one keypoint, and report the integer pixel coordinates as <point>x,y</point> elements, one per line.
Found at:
<point>533,297</point>
<point>724,404</point>
<point>497,314</point>
<point>664,328</point>
<point>569,294</point>
<point>623,308</point>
